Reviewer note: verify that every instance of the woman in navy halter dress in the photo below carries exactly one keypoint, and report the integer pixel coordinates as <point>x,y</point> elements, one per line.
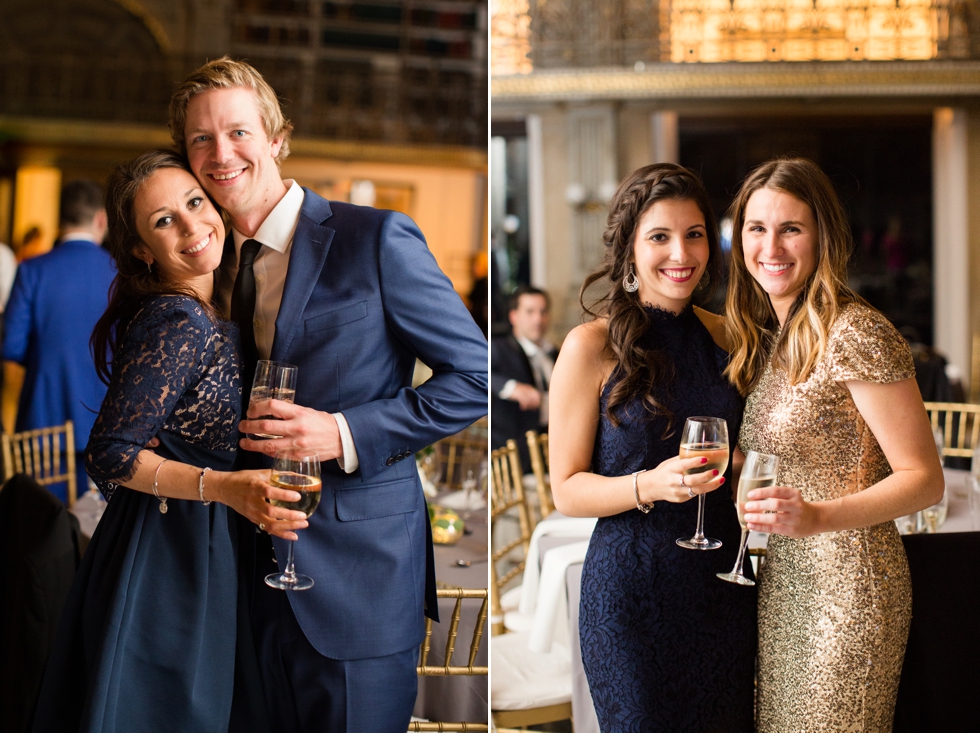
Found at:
<point>155,635</point>
<point>666,645</point>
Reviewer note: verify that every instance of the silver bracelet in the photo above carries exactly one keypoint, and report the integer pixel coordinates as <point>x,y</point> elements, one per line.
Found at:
<point>200,486</point>
<point>645,508</point>
<point>156,490</point>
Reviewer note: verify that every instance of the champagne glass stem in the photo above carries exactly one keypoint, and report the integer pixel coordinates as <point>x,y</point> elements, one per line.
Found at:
<point>743,543</point>
<point>699,535</point>
<point>290,572</point>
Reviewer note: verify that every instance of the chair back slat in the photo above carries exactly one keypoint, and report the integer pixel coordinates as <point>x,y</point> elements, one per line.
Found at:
<point>506,500</point>
<point>959,424</point>
<point>449,669</point>
<point>46,454</point>
<point>537,447</point>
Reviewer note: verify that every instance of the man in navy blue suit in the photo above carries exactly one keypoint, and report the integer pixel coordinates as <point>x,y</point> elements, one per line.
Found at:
<point>54,305</point>
<point>352,296</point>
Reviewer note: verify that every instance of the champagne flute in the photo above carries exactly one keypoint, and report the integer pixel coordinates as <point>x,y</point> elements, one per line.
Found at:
<point>759,472</point>
<point>296,470</point>
<point>704,437</point>
<point>273,381</point>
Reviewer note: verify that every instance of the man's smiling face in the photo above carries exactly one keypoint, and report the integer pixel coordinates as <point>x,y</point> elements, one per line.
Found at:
<point>230,152</point>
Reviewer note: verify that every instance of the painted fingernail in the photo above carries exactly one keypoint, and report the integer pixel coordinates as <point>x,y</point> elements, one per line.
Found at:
<point>704,460</point>
<point>715,472</point>
<point>722,480</point>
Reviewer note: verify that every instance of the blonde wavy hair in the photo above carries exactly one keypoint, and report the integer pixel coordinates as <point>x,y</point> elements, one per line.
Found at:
<point>226,73</point>
<point>753,327</point>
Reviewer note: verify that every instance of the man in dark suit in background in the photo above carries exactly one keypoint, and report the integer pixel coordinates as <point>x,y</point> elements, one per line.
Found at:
<point>54,305</point>
<point>520,372</point>
<point>351,295</point>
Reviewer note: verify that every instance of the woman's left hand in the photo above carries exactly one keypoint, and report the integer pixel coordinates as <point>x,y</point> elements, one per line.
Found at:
<point>781,510</point>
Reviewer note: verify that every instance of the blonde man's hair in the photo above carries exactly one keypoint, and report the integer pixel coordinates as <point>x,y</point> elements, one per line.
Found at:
<point>226,73</point>
<point>751,320</point>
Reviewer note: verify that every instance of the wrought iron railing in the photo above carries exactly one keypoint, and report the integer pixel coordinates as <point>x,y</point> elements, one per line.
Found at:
<point>547,34</point>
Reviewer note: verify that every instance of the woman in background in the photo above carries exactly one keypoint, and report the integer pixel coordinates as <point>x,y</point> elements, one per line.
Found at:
<point>831,391</point>
<point>666,645</point>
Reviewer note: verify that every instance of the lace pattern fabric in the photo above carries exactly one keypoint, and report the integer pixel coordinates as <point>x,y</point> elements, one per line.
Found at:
<point>175,371</point>
<point>666,645</point>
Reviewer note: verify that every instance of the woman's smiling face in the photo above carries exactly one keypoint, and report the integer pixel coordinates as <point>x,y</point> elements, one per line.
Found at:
<point>670,252</point>
<point>779,242</point>
<point>182,233</point>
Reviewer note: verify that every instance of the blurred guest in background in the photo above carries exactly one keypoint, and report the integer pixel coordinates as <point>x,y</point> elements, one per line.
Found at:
<point>30,245</point>
<point>56,300</point>
<point>520,371</point>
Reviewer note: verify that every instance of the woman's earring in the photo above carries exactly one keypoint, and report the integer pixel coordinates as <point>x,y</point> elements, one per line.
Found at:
<point>631,283</point>
<point>149,267</point>
<point>704,282</point>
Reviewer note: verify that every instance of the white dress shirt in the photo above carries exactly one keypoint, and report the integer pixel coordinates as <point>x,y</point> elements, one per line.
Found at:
<point>541,368</point>
<point>270,266</point>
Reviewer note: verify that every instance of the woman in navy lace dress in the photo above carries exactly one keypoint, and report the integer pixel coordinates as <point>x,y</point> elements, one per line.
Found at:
<point>666,645</point>
<point>155,636</point>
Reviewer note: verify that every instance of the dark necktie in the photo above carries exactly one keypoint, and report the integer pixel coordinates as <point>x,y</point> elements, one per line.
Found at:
<point>243,313</point>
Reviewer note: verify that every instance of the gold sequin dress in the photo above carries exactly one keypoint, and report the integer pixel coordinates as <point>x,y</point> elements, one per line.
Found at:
<point>834,609</point>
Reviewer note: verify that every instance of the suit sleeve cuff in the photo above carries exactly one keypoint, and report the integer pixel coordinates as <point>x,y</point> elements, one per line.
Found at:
<point>348,461</point>
<point>508,389</point>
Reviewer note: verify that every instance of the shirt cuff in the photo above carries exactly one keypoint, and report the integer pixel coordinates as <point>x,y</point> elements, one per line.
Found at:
<point>348,461</point>
<point>508,389</point>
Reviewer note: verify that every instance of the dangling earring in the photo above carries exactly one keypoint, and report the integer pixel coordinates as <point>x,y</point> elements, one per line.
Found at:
<point>149,267</point>
<point>704,282</point>
<point>631,283</point>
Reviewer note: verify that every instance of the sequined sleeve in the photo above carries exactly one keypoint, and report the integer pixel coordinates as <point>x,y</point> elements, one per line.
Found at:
<point>163,352</point>
<point>864,346</point>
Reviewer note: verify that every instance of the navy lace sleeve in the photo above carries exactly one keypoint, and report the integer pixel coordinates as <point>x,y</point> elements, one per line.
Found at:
<point>165,350</point>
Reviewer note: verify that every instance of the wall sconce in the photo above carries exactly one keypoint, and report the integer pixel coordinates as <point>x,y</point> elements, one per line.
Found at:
<point>580,199</point>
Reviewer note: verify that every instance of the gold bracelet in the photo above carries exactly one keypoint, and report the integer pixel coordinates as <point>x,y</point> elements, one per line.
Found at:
<point>156,490</point>
<point>645,508</point>
<point>200,486</point>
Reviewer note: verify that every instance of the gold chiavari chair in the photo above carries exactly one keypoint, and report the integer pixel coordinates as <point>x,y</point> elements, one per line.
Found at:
<point>546,696</point>
<point>959,424</point>
<point>459,457</point>
<point>506,499</point>
<point>538,447</point>
<point>449,669</point>
<point>45,454</point>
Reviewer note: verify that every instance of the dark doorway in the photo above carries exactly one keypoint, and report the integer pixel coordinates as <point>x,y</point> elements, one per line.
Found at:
<point>882,169</point>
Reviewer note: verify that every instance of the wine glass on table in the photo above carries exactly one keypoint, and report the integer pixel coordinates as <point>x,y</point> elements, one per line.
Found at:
<point>759,472</point>
<point>704,437</point>
<point>273,381</point>
<point>296,470</point>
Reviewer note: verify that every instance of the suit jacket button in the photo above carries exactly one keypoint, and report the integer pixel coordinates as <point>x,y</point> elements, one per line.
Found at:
<point>390,461</point>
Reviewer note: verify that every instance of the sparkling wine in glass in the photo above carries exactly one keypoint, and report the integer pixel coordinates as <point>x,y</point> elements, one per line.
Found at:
<point>273,381</point>
<point>759,472</point>
<point>704,437</point>
<point>296,470</point>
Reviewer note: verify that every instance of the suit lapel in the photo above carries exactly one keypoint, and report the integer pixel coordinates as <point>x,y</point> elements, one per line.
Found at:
<point>311,243</point>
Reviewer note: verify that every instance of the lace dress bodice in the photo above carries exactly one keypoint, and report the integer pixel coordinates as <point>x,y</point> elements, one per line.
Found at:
<point>175,372</point>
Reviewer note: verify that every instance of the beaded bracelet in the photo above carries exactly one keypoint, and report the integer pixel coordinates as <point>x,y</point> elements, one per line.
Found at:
<point>200,486</point>
<point>156,490</point>
<point>645,508</point>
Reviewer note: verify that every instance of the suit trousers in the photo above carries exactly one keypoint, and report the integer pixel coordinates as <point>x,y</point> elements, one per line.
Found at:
<point>307,692</point>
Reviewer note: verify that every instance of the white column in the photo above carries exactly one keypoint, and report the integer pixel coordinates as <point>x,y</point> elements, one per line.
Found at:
<point>951,255</point>
<point>665,142</point>
<point>537,244</point>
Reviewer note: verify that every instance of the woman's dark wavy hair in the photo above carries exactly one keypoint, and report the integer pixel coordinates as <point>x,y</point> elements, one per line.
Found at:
<point>133,281</point>
<point>643,368</point>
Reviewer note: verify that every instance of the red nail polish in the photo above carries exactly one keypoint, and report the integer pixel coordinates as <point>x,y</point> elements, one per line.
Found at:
<point>714,472</point>
<point>704,460</point>
<point>722,480</point>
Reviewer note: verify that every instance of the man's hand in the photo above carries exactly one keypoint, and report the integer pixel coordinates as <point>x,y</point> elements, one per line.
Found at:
<point>526,396</point>
<point>298,426</point>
